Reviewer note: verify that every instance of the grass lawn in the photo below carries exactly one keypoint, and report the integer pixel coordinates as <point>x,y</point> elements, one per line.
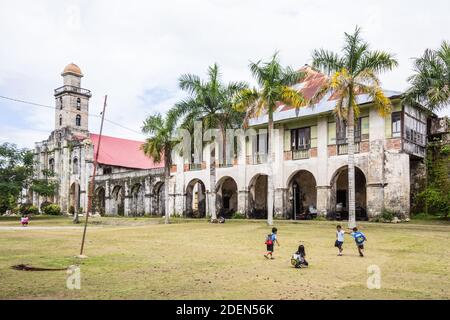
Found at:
<point>142,259</point>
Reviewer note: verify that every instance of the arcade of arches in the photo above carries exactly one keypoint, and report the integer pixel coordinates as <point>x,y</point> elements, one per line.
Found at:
<point>300,196</point>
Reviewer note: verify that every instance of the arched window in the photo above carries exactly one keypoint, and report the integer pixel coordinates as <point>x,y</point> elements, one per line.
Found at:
<point>51,165</point>
<point>78,104</point>
<point>78,120</point>
<point>75,166</point>
<point>60,103</point>
<point>60,120</point>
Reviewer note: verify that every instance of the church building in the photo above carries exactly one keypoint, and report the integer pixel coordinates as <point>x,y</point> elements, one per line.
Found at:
<point>127,182</point>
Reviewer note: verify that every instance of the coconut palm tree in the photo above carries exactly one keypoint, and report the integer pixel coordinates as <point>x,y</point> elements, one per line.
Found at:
<point>274,87</point>
<point>353,72</point>
<point>430,83</point>
<point>209,101</point>
<point>159,147</point>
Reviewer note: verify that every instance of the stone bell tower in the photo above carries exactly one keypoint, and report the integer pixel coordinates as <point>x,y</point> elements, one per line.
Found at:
<point>72,101</point>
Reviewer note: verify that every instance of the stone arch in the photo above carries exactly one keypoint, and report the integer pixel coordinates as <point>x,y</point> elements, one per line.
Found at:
<point>302,193</point>
<point>74,197</point>
<point>196,199</point>
<point>257,197</point>
<point>226,197</point>
<point>339,193</point>
<point>100,196</point>
<point>137,200</point>
<point>118,200</point>
<point>159,203</point>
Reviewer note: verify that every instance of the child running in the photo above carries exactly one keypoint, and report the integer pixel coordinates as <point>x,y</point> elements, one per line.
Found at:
<point>360,238</point>
<point>271,238</point>
<point>339,239</point>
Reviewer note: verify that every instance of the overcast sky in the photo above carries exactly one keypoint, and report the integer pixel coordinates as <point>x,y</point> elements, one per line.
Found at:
<point>134,51</point>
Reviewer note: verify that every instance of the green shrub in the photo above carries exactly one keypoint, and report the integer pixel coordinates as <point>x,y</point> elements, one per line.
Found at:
<point>387,215</point>
<point>376,219</point>
<point>52,210</point>
<point>28,208</point>
<point>237,215</point>
<point>45,204</point>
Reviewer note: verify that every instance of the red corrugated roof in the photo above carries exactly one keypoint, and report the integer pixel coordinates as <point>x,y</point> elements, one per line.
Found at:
<point>122,153</point>
<point>310,84</point>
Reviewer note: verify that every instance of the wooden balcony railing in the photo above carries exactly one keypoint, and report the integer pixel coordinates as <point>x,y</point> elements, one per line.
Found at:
<point>195,166</point>
<point>343,148</point>
<point>257,158</point>
<point>300,154</point>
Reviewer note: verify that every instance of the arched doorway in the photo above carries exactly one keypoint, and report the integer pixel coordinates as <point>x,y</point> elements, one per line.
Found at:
<point>226,197</point>
<point>137,200</point>
<point>100,201</point>
<point>257,197</point>
<point>302,194</point>
<point>196,199</point>
<point>339,194</point>
<point>117,198</point>
<point>159,203</point>
<point>74,198</point>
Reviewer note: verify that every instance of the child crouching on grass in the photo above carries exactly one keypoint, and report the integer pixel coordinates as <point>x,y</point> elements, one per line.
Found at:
<point>24,221</point>
<point>271,238</point>
<point>298,259</point>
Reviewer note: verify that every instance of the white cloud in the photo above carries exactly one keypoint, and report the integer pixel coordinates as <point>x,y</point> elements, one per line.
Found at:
<point>134,51</point>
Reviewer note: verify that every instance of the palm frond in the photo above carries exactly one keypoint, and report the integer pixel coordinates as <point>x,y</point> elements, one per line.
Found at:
<point>327,61</point>
<point>292,97</point>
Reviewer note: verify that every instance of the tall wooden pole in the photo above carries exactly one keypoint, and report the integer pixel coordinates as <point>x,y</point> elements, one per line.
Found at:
<point>91,187</point>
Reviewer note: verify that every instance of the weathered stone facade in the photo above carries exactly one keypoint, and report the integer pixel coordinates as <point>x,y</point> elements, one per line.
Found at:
<point>69,154</point>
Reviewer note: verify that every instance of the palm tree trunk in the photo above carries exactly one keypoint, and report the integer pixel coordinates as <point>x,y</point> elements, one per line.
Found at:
<point>270,186</point>
<point>351,166</point>
<point>167,165</point>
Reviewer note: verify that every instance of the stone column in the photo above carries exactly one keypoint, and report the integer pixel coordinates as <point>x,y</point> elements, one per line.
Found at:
<point>375,172</point>
<point>147,196</point>
<point>280,189</point>
<point>280,203</point>
<point>243,201</point>
<point>323,185</point>
<point>323,200</point>
<point>127,200</point>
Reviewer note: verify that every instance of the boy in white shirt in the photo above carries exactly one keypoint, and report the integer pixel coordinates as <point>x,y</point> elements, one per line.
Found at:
<point>339,239</point>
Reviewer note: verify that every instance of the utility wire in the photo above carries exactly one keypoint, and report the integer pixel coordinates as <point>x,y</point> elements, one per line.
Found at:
<point>51,107</point>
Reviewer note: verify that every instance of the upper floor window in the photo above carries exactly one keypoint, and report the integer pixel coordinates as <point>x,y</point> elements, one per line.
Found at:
<point>75,166</point>
<point>341,131</point>
<point>60,120</point>
<point>262,143</point>
<point>78,120</point>
<point>301,138</point>
<point>415,130</point>
<point>51,165</point>
<point>60,102</point>
<point>107,170</point>
<point>78,104</point>
<point>396,124</point>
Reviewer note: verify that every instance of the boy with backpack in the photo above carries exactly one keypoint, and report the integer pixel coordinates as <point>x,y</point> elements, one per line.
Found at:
<point>360,238</point>
<point>271,238</point>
